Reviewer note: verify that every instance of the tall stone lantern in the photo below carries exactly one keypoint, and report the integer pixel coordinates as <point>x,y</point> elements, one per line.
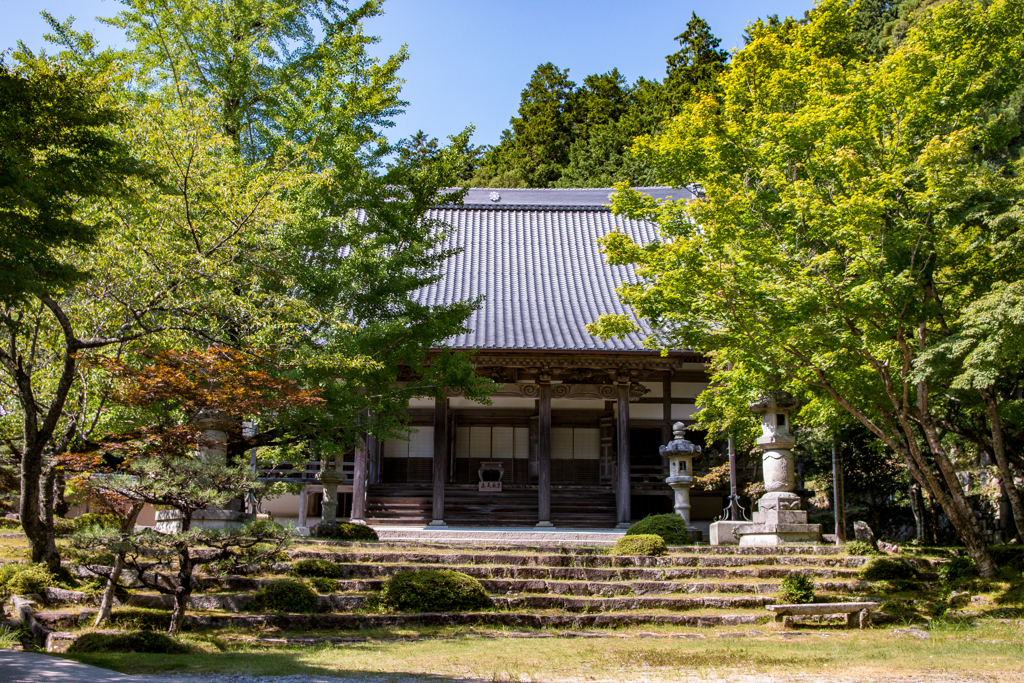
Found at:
<point>779,519</point>
<point>680,454</point>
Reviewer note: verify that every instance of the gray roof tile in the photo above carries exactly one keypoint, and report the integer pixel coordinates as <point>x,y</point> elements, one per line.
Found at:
<point>533,256</point>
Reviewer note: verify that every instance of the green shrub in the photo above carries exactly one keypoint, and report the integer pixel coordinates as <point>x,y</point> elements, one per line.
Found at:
<point>433,590</point>
<point>63,527</point>
<point>323,585</point>
<point>645,544</point>
<point>1008,557</point>
<point>346,532</point>
<point>140,641</point>
<point>10,524</point>
<point>319,568</point>
<point>859,548</point>
<point>91,519</point>
<point>140,619</point>
<point>796,589</point>
<point>670,527</point>
<point>285,596</point>
<point>891,569</point>
<point>22,579</point>
<point>956,570</point>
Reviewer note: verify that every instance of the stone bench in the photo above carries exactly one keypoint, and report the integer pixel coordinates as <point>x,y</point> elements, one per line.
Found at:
<point>861,611</point>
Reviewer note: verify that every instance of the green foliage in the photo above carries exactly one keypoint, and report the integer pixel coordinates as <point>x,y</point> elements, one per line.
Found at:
<point>957,570</point>
<point>141,641</point>
<point>285,596</point>
<point>11,524</point>
<point>10,638</point>
<point>1008,557</point>
<point>670,527</point>
<point>430,590</point>
<point>640,544</point>
<point>796,589</point>
<point>859,548</point>
<point>895,570</point>
<point>22,579</point>
<point>323,585</point>
<point>58,148</point>
<point>139,619</point>
<point>346,532</point>
<point>96,519</point>
<point>62,526</point>
<point>824,176</point>
<point>316,568</point>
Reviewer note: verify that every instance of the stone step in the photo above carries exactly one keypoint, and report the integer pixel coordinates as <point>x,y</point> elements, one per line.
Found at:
<point>619,574</point>
<point>565,560</point>
<point>529,536</point>
<point>355,622</point>
<point>348,603</point>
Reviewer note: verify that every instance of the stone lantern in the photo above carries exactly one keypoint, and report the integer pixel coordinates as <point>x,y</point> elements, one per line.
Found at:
<point>680,454</point>
<point>779,519</point>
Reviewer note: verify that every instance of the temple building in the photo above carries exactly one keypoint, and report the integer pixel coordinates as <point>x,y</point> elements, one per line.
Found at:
<point>572,437</point>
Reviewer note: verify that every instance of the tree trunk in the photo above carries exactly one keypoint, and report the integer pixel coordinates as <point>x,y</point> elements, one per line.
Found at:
<point>127,529</point>
<point>60,502</point>
<point>917,507</point>
<point>108,593</point>
<point>999,449</point>
<point>44,547</point>
<point>182,592</point>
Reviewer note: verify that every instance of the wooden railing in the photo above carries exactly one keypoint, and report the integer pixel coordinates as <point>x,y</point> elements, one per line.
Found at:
<point>305,473</point>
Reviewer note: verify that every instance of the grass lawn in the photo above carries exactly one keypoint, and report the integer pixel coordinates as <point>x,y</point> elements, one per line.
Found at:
<point>991,651</point>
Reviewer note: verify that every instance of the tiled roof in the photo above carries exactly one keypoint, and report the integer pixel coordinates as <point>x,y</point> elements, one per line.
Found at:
<point>533,256</point>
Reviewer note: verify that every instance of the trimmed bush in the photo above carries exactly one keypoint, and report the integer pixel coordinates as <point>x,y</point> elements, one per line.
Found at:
<point>433,590</point>
<point>890,569</point>
<point>22,579</point>
<point>141,619</point>
<point>316,568</point>
<point>285,596</point>
<point>796,589</point>
<point>345,532</point>
<point>956,570</point>
<point>323,585</point>
<point>91,519</point>
<point>670,527</point>
<point>644,544</point>
<point>141,641</point>
<point>63,527</point>
<point>10,524</point>
<point>859,548</point>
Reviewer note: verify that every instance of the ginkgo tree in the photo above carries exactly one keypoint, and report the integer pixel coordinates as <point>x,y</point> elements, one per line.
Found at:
<point>855,214</point>
<point>269,226</point>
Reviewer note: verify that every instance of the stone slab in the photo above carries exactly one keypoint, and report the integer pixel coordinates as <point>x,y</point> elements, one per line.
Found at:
<point>524,536</point>
<point>724,533</point>
<point>779,538</point>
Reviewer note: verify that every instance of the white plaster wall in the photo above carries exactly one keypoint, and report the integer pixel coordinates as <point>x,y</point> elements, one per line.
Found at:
<point>646,411</point>
<point>656,389</point>
<point>687,389</point>
<point>497,402</point>
<point>576,404</point>
<point>683,412</point>
<point>421,403</point>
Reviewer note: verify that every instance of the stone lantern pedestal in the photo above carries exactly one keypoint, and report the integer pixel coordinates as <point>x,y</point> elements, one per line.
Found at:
<point>779,519</point>
<point>680,454</point>
<point>330,478</point>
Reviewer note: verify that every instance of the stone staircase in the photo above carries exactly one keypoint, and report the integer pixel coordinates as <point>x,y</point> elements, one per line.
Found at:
<point>545,586</point>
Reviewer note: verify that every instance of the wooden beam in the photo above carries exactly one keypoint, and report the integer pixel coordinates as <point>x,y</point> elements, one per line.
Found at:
<point>622,492</point>
<point>359,481</point>
<point>544,456</point>
<point>440,470</point>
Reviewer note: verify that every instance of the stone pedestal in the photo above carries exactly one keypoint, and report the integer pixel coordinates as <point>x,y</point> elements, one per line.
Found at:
<point>779,519</point>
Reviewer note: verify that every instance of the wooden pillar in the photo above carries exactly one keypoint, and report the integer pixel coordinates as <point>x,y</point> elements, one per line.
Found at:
<point>666,408</point>
<point>544,456</point>
<point>359,481</point>
<point>622,490</point>
<point>303,505</point>
<point>440,472</point>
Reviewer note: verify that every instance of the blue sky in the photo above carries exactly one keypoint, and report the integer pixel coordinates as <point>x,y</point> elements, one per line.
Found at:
<point>470,59</point>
